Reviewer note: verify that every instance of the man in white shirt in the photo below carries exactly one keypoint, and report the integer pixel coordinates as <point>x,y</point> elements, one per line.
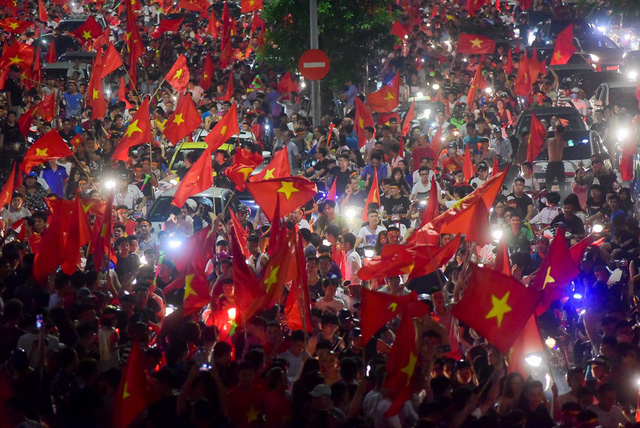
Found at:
<point>609,414</point>
<point>368,234</point>
<point>354,262</point>
<point>128,194</point>
<point>15,211</point>
<point>422,188</point>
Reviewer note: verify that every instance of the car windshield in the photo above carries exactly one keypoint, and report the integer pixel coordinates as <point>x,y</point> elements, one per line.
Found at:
<point>578,148</point>
<point>573,121</point>
<point>178,161</point>
<point>162,206</point>
<point>624,97</point>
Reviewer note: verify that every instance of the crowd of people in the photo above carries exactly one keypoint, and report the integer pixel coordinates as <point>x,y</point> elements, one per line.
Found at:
<point>66,343</point>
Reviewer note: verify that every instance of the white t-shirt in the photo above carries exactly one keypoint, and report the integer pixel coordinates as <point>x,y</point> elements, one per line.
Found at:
<point>354,263</point>
<point>333,306</point>
<point>368,237</point>
<point>129,198</point>
<point>611,419</point>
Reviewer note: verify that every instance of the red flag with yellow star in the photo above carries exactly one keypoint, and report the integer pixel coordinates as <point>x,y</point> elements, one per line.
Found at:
<point>132,392</point>
<point>77,234</point>
<point>496,306</point>
<point>395,260</point>
<point>410,116</point>
<point>102,234</point>
<point>290,193</point>
<point>212,28</point>
<point>50,146</point>
<point>111,60</point>
<point>7,189</point>
<point>165,25</point>
<point>138,132</point>
<point>184,120</point>
<point>230,90</point>
<point>194,5</point>
<point>555,273</point>
<point>133,40</point>
<point>240,233</point>
<point>387,98</point>
<point>42,12</point>
<point>89,30</point>
<point>226,128</point>
<point>363,119</point>
<point>403,360</point>
<point>178,75</point>
<point>429,258</point>
<point>244,162</point>
<point>207,73</point>
<point>247,6</point>
<point>15,26</point>
<point>198,179</point>
<point>377,309</point>
<point>564,47</point>
<point>536,140</point>
<point>196,292</point>
<point>19,54</point>
<point>475,44</point>
<point>523,83</point>
<point>373,196</point>
<point>278,168</point>
<point>95,91</point>
<point>478,83</point>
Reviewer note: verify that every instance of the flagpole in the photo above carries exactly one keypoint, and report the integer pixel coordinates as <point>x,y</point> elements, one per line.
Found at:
<point>85,173</point>
<point>159,86</point>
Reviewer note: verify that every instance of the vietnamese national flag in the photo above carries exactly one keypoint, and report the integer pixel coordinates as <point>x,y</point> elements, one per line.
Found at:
<point>198,179</point>
<point>398,30</point>
<point>184,120</point>
<point>102,234</point>
<point>242,274</point>
<point>95,90</point>
<point>15,26</point>
<point>496,306</point>
<point>226,128</point>
<point>403,359</point>
<point>7,189</point>
<point>332,195</point>
<point>178,75</point>
<point>111,60</point>
<point>78,233</point>
<point>90,29</point>
<point>536,138</point>
<point>387,98</point>
<point>247,6</point>
<point>467,165</point>
<point>207,73</point>
<point>555,273</point>
<point>138,132</point>
<point>19,54</point>
<point>290,193</point>
<point>122,93</point>
<point>436,142</point>
<point>564,47</point>
<point>475,44</point>
<point>42,12</point>
<point>241,234</point>
<point>244,163</point>
<point>132,398</point>
<point>50,146</point>
<point>52,56</point>
<point>431,211</point>
<point>429,259</point>
<point>508,67</point>
<point>287,85</point>
<point>523,83</point>
<point>473,6</point>
<point>527,343</point>
<point>411,115</point>
<point>165,25</point>
<point>212,28</point>
<point>297,307</point>
<point>501,262</point>
<point>377,309</point>
<point>279,167</point>
<point>394,260</point>
<point>363,119</point>
<point>373,196</point>
<point>196,292</point>
<point>477,84</point>
<point>230,91</point>
<point>133,40</point>
<point>194,5</point>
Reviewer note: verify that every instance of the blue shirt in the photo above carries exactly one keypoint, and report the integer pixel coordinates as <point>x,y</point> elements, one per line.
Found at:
<point>352,141</point>
<point>73,102</point>
<point>55,179</point>
<point>368,170</point>
<point>350,95</point>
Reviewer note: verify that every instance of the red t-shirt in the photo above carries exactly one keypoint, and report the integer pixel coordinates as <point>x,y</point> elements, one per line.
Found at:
<point>277,409</point>
<point>246,406</point>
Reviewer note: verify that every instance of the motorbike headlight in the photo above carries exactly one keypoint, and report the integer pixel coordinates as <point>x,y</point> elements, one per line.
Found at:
<point>597,228</point>
<point>368,253</point>
<point>496,234</point>
<point>175,243</point>
<point>623,133</point>
<point>632,75</point>
<point>351,213</point>
<point>533,360</point>
<point>110,184</point>
<point>550,342</point>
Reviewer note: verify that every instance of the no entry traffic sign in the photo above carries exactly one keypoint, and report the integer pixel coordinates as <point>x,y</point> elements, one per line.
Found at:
<point>314,64</point>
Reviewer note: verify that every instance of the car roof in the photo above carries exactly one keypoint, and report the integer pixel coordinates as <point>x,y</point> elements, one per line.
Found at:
<point>551,110</point>
<point>79,55</point>
<point>621,84</point>
<point>216,192</point>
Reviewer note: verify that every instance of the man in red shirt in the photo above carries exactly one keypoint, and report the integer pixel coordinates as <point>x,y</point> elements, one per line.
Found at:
<point>246,402</point>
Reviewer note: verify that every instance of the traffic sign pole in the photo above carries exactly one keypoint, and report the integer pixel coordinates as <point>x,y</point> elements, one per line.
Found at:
<point>316,104</point>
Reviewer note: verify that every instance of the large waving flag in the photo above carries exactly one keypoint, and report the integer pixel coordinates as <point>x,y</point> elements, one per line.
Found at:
<point>184,120</point>
<point>198,179</point>
<point>138,132</point>
<point>289,193</point>
<point>226,128</point>
<point>387,98</point>
<point>50,146</point>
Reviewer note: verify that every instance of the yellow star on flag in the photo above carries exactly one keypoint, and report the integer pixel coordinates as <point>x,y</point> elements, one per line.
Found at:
<point>476,43</point>
<point>133,127</point>
<point>252,415</point>
<point>272,278</point>
<point>178,119</point>
<point>223,130</point>
<point>178,73</point>
<point>13,25</point>
<point>16,60</point>
<point>548,278</point>
<point>127,36</point>
<point>287,188</point>
<point>42,152</point>
<point>246,172</point>
<point>557,56</point>
<point>389,96</point>
<point>361,123</point>
<point>87,207</point>
<point>95,94</point>
<point>86,35</point>
<point>500,307</point>
<point>206,76</point>
<point>269,174</point>
<point>188,289</point>
<point>410,368</point>
<point>125,392</point>
<point>393,306</point>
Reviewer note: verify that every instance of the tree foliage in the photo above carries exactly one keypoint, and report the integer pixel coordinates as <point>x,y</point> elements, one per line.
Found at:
<point>349,31</point>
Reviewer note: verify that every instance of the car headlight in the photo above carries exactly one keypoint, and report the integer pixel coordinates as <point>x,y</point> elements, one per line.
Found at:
<point>632,75</point>
<point>594,57</point>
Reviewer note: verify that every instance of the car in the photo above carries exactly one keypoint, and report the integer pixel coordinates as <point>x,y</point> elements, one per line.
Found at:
<point>83,56</point>
<point>581,146</point>
<point>71,22</point>
<point>60,69</point>
<point>161,207</point>
<point>573,118</point>
<point>630,66</point>
<point>621,93</point>
<point>63,44</point>
<point>590,80</point>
